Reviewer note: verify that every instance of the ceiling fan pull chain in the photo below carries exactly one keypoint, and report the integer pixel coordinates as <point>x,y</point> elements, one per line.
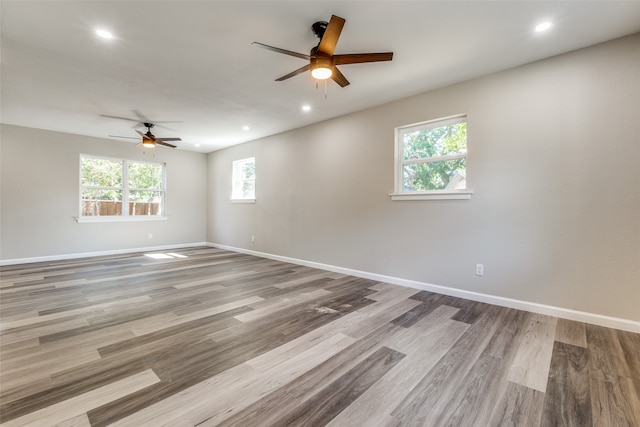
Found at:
<point>325,90</point>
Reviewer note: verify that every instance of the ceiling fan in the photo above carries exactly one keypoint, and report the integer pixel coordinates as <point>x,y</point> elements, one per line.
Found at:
<point>149,140</point>
<point>322,62</point>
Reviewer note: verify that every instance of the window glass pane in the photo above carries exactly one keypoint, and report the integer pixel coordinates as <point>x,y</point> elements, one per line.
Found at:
<point>249,170</point>
<point>445,175</point>
<point>101,172</point>
<point>101,202</point>
<point>244,178</point>
<point>435,142</point>
<point>145,202</point>
<point>248,189</point>
<point>145,175</point>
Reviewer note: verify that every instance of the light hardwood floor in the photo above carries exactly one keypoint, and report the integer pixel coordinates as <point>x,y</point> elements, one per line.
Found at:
<point>209,337</point>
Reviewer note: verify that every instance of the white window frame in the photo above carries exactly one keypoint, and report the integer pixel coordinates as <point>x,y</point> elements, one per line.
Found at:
<point>238,180</point>
<point>125,214</point>
<point>399,162</point>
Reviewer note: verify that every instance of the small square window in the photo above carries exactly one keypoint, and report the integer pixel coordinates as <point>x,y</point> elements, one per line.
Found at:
<point>431,160</point>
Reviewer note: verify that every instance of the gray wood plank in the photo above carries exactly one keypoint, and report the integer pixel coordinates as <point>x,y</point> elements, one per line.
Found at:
<point>567,401</point>
<point>571,332</point>
<point>530,367</point>
<point>334,398</point>
<point>630,347</point>
<point>614,398</point>
<point>518,406</point>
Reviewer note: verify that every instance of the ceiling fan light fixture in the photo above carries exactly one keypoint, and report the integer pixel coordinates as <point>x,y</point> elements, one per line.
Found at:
<point>147,143</point>
<point>321,73</point>
<point>321,68</point>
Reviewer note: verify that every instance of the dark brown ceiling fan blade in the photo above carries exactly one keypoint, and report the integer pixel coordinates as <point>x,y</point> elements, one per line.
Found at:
<point>144,136</point>
<point>140,116</point>
<point>141,120</point>
<point>144,119</point>
<point>339,78</point>
<point>294,73</point>
<point>119,136</point>
<point>168,139</point>
<point>331,35</point>
<point>120,118</point>
<point>359,58</point>
<point>164,143</point>
<point>279,50</point>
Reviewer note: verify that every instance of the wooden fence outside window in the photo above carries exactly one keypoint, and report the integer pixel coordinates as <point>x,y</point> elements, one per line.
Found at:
<point>114,208</point>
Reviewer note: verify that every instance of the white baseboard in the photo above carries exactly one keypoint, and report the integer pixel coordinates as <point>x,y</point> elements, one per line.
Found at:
<point>565,313</point>
<point>100,253</point>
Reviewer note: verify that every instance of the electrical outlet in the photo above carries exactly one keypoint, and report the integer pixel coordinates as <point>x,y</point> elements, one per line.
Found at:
<point>253,239</point>
<point>150,235</point>
<point>479,269</point>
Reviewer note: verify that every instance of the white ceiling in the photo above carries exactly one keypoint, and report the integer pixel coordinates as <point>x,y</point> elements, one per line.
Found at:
<point>192,61</point>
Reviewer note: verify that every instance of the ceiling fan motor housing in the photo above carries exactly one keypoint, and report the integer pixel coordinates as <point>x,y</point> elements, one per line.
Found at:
<point>321,62</point>
<point>319,28</point>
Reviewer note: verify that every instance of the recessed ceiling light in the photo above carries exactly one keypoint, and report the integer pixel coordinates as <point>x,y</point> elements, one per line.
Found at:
<point>104,33</point>
<point>306,108</point>
<point>543,26</point>
<point>197,145</point>
<point>245,127</point>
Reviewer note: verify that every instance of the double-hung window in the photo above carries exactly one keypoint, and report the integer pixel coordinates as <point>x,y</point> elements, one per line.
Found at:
<point>431,159</point>
<point>118,188</point>
<point>243,181</point>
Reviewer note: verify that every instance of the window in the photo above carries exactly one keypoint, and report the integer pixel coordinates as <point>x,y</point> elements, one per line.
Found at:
<point>431,160</point>
<point>121,188</point>
<point>243,181</point>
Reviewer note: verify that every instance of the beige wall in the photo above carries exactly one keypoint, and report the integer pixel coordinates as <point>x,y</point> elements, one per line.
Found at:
<point>553,161</point>
<point>40,197</point>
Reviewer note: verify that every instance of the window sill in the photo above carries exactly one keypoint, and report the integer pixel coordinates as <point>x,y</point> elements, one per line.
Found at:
<point>134,218</point>
<point>243,200</point>
<point>433,195</point>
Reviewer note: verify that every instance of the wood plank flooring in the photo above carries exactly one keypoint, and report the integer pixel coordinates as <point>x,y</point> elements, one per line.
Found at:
<point>207,337</point>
